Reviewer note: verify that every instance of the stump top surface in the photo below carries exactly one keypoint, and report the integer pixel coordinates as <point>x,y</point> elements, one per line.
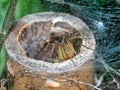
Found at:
<point>16,47</point>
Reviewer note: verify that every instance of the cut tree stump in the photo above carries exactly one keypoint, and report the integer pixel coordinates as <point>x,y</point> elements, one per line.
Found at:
<point>51,51</point>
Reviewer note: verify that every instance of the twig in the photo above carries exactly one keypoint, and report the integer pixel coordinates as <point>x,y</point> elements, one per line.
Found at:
<point>7,21</point>
<point>85,83</point>
<point>75,81</point>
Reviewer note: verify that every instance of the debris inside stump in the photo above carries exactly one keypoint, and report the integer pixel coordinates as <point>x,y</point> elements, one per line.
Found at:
<point>50,42</point>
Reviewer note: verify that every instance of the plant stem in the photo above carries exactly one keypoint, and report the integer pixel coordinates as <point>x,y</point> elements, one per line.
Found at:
<point>7,21</point>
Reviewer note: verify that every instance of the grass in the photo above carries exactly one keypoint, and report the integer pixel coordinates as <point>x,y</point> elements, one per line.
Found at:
<point>2,62</point>
<point>23,8</point>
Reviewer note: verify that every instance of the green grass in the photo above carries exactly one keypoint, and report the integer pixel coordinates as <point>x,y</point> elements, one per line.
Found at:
<point>2,62</point>
<point>23,8</point>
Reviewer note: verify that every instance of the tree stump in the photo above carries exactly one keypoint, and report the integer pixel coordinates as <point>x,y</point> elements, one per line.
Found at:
<point>51,51</point>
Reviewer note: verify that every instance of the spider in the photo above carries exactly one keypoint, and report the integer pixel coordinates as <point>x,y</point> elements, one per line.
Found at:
<point>64,45</point>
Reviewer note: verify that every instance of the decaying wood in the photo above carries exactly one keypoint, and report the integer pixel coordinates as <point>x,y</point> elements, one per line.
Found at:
<point>28,62</point>
<point>29,80</point>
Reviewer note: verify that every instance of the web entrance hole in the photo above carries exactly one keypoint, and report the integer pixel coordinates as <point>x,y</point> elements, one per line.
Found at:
<point>41,42</point>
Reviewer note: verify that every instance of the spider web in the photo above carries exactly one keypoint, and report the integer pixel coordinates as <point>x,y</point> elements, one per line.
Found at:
<point>102,16</point>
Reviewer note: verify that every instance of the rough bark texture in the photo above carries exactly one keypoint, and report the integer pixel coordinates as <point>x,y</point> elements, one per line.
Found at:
<point>26,80</point>
<point>35,68</point>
